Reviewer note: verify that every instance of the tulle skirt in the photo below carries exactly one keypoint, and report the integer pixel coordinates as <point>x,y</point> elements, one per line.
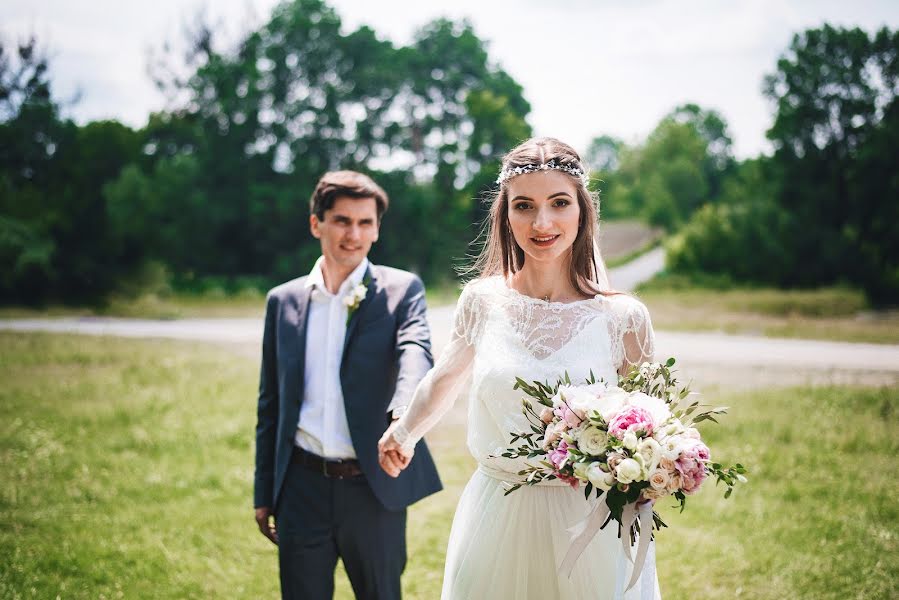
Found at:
<point>509,547</point>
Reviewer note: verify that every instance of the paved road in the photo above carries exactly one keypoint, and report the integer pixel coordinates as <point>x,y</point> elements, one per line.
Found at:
<point>627,277</point>
<point>690,348</point>
<point>722,358</point>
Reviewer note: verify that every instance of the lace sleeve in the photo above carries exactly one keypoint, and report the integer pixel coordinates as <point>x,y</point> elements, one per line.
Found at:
<point>437,392</point>
<point>637,337</point>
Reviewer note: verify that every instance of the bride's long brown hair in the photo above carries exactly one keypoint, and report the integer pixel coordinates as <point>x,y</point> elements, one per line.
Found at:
<point>501,254</point>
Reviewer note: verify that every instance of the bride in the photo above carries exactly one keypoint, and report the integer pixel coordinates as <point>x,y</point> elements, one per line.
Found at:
<point>541,306</point>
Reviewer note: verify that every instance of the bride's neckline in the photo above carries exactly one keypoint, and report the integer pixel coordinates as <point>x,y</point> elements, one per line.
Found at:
<point>504,283</point>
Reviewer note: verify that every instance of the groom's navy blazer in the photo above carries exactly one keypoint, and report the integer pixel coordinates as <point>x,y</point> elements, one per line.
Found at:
<point>387,350</point>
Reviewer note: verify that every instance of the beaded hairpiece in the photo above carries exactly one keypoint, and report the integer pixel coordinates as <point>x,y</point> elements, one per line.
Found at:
<point>510,172</point>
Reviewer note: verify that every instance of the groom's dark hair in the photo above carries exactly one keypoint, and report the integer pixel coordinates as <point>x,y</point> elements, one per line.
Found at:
<point>335,184</point>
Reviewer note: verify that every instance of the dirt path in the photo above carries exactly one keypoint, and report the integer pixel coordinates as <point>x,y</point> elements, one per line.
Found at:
<point>711,358</point>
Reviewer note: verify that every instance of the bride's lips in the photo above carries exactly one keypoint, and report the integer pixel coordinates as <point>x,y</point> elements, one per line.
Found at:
<point>544,241</point>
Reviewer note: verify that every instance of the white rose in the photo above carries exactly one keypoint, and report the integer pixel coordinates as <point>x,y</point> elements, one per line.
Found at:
<point>628,470</point>
<point>580,470</point>
<point>674,428</point>
<point>692,433</point>
<point>671,447</point>
<point>593,441</point>
<point>609,402</point>
<point>630,441</point>
<point>650,450</point>
<point>599,478</point>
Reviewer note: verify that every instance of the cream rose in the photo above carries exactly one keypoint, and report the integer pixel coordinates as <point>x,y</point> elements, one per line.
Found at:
<point>674,482</point>
<point>666,463</point>
<point>546,415</point>
<point>614,460</point>
<point>653,494</point>
<point>551,436</point>
<point>659,479</point>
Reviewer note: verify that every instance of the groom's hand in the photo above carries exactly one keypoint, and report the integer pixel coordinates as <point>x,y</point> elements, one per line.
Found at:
<point>390,455</point>
<point>266,522</point>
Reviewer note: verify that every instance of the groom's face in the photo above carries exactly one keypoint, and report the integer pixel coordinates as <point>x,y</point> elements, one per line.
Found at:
<point>348,230</point>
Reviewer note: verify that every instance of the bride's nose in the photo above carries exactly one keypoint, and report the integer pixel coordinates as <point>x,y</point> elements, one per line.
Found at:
<point>542,221</point>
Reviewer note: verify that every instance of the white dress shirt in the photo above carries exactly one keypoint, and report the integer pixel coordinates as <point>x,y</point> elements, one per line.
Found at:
<point>322,427</point>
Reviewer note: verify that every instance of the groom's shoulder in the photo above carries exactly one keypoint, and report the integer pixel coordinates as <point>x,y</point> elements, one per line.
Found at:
<point>288,289</point>
<point>396,280</point>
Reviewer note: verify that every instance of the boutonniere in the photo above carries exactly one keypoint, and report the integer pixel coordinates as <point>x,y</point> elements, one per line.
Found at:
<point>354,298</point>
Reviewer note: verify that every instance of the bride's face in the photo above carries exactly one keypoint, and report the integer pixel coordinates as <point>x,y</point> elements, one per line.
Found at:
<point>544,214</point>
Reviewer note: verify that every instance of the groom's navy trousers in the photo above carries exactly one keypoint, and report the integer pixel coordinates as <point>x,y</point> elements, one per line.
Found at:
<point>321,518</point>
<point>387,351</point>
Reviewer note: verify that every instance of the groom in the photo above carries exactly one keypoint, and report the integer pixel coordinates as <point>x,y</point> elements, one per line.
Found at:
<point>343,350</point>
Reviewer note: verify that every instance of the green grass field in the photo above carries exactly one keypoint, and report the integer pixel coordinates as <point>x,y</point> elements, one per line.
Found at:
<point>126,471</point>
<point>839,314</point>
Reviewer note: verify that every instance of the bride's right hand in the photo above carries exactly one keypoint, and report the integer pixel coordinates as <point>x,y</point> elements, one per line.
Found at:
<point>391,456</point>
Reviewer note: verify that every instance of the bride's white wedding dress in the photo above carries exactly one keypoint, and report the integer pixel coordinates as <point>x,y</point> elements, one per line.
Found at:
<point>509,547</point>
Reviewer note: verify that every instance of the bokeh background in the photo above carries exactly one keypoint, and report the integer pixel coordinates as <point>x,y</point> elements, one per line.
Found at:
<point>156,161</point>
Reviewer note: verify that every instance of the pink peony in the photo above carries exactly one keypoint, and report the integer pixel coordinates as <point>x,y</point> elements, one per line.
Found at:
<point>691,466</point>
<point>557,456</point>
<point>570,480</point>
<point>631,419</point>
<point>571,418</point>
<point>692,481</point>
<point>696,451</point>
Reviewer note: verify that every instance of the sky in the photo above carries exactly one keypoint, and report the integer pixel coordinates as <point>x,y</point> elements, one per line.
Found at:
<point>588,67</point>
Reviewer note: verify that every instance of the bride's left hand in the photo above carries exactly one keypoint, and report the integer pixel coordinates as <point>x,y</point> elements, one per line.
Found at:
<point>391,456</point>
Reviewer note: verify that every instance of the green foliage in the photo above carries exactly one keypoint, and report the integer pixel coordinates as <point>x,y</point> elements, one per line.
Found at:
<point>823,209</point>
<point>681,166</point>
<point>217,185</point>
<point>299,96</point>
<point>55,238</point>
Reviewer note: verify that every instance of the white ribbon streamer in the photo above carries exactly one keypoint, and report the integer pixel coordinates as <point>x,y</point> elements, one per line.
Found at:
<point>581,534</point>
<point>645,516</point>
<point>586,529</point>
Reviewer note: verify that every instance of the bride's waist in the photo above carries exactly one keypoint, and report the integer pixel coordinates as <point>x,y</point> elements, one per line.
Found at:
<point>513,476</point>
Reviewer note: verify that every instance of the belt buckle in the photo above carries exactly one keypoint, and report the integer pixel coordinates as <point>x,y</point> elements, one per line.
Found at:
<point>325,468</point>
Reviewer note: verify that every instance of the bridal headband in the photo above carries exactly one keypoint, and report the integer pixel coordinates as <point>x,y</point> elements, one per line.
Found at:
<point>510,172</point>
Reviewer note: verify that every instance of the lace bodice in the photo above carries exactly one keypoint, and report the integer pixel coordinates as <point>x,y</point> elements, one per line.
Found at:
<point>500,334</point>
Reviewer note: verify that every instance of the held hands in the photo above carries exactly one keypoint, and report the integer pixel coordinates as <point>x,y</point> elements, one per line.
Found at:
<point>392,458</point>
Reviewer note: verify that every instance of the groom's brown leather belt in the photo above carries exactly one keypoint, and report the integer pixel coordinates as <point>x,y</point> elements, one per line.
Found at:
<point>336,469</point>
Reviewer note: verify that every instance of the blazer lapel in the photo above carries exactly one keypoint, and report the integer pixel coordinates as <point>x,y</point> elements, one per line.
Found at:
<point>301,308</point>
<point>353,323</point>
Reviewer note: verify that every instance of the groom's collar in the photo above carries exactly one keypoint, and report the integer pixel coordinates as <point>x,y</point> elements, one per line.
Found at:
<point>317,279</point>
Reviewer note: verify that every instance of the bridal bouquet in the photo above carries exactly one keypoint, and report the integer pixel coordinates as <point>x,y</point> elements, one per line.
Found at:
<point>632,443</point>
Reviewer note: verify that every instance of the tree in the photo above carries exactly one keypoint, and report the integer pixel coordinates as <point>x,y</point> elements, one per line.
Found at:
<point>823,209</point>
<point>299,96</point>
<point>836,128</point>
